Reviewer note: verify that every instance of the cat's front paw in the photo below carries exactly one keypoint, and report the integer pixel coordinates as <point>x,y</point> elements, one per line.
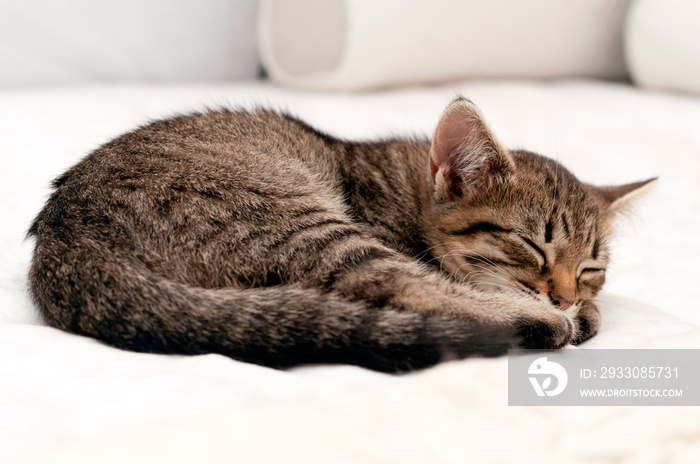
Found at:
<point>548,330</point>
<point>588,321</point>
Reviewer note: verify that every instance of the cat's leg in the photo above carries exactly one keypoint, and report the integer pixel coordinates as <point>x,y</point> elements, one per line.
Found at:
<point>388,278</point>
<point>588,321</point>
<point>336,254</point>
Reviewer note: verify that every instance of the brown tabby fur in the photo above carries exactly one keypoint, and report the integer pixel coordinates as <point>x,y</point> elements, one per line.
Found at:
<point>253,235</point>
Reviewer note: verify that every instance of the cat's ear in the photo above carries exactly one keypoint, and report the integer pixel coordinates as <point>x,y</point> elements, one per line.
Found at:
<point>465,157</point>
<point>618,197</point>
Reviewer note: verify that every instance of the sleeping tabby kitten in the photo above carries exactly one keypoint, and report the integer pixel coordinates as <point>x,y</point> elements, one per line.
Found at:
<point>252,235</point>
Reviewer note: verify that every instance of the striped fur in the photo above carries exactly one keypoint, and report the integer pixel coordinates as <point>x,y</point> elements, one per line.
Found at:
<point>253,235</point>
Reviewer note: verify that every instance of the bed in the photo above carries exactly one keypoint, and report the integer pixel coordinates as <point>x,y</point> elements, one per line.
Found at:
<point>66,398</point>
<point>70,399</point>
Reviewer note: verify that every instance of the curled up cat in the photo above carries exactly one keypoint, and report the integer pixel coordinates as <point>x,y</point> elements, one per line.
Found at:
<point>255,236</point>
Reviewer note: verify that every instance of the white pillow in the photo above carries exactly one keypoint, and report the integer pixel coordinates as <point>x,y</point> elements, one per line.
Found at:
<point>663,44</point>
<point>48,41</point>
<point>354,44</point>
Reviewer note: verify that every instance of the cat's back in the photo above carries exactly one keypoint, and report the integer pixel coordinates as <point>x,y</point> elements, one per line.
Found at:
<point>245,130</point>
<point>215,139</point>
<point>217,154</point>
<point>178,191</point>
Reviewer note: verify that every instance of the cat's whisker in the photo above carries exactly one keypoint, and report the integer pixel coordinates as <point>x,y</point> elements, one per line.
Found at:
<point>490,267</point>
<point>482,259</point>
<point>474,255</point>
<point>479,282</point>
<point>423,253</point>
<point>470,275</point>
<point>486,261</point>
<point>513,284</point>
<point>473,274</point>
<point>492,270</point>
<point>460,252</point>
<point>470,255</point>
<point>505,286</point>
<point>544,190</point>
<point>486,272</point>
<point>485,269</point>
<point>449,253</point>
<point>496,285</point>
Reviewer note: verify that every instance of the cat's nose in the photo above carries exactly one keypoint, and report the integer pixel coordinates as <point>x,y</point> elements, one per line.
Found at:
<point>559,301</point>
<point>562,292</point>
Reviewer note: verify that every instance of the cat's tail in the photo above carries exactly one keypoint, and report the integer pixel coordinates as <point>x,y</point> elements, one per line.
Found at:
<point>129,306</point>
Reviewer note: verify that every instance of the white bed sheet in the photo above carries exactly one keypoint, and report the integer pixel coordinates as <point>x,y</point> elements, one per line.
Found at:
<point>65,398</point>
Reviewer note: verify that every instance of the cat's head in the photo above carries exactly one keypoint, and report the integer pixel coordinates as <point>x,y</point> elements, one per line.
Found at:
<point>515,220</point>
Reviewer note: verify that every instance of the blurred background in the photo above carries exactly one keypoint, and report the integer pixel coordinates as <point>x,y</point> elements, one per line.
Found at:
<point>348,44</point>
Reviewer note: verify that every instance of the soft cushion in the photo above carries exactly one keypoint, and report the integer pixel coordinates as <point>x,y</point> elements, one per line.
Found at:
<point>50,42</point>
<point>663,44</point>
<point>353,44</point>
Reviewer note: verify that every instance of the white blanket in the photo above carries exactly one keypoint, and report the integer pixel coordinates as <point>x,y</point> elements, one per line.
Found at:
<point>65,398</point>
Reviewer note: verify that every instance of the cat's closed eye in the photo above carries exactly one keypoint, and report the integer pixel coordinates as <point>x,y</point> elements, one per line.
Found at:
<point>540,255</point>
<point>480,227</point>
